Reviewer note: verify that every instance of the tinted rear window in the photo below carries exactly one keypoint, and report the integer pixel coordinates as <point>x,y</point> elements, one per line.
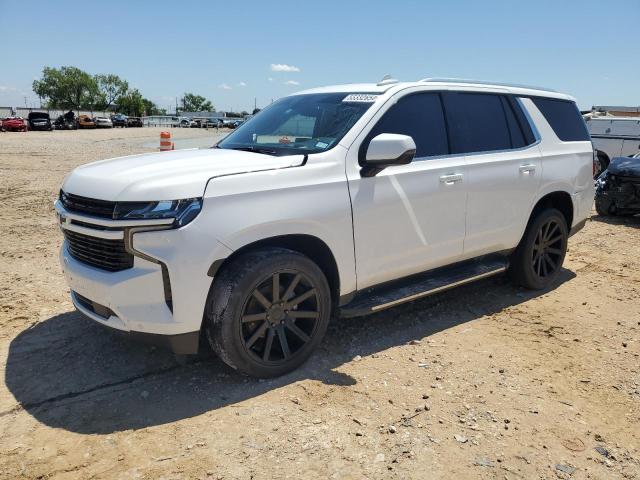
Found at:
<point>477,122</point>
<point>565,119</point>
<point>420,116</point>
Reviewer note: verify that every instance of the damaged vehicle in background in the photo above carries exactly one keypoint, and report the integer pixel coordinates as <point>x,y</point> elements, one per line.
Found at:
<point>66,121</point>
<point>14,124</point>
<point>618,188</point>
<point>134,122</point>
<point>103,122</point>
<point>39,121</point>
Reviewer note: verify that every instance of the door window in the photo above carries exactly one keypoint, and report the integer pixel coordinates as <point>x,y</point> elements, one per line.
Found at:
<point>421,117</point>
<point>477,122</point>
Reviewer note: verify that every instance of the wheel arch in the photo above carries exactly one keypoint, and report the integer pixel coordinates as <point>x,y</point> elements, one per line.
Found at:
<point>558,199</point>
<point>309,245</point>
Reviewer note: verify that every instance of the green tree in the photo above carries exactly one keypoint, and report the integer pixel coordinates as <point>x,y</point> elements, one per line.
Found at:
<point>110,88</point>
<point>151,108</point>
<point>66,87</point>
<point>195,103</point>
<point>131,103</point>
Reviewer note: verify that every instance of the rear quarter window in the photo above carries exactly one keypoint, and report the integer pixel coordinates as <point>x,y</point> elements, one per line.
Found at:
<point>565,119</point>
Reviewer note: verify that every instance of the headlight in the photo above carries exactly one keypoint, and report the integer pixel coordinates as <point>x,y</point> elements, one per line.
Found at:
<point>182,211</point>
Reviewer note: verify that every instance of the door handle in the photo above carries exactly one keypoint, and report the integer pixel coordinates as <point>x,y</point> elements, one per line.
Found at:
<point>451,179</point>
<point>527,168</point>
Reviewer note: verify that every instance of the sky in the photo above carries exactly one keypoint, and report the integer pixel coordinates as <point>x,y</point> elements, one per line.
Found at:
<point>237,52</point>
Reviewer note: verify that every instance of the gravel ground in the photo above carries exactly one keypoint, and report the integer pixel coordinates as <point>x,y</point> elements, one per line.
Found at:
<point>486,381</point>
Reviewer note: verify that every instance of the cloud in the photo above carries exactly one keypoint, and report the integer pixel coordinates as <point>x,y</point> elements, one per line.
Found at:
<point>242,84</point>
<point>281,67</point>
<point>291,82</point>
<point>270,79</point>
<point>224,86</point>
<point>4,88</point>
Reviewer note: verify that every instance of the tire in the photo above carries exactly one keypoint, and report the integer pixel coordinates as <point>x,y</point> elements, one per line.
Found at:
<point>538,259</point>
<point>603,206</point>
<point>259,333</point>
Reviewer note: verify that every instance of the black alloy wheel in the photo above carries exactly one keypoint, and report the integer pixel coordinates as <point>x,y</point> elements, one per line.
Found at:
<point>537,260</point>
<point>280,317</point>
<point>548,249</point>
<point>267,311</point>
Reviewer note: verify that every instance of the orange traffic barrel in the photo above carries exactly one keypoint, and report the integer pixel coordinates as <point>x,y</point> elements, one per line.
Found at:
<point>165,142</point>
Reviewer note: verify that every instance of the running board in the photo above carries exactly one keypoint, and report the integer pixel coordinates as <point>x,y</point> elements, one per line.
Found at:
<point>422,285</point>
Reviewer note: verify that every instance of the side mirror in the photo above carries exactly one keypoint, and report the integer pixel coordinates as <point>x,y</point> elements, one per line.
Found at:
<point>385,150</point>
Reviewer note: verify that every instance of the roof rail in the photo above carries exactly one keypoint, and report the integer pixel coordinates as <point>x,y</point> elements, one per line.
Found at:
<point>480,82</point>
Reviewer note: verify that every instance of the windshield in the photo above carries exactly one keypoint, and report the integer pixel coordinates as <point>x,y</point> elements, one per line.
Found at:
<point>300,124</point>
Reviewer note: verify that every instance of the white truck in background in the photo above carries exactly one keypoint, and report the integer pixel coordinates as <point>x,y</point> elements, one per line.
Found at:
<point>613,137</point>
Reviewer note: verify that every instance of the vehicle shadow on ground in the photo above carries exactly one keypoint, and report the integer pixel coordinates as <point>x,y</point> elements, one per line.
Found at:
<point>626,220</point>
<point>70,373</point>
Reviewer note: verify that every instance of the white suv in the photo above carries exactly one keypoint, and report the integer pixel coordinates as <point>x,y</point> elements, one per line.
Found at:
<point>346,199</point>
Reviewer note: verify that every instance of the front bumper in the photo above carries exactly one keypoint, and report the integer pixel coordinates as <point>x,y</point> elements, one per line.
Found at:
<point>134,301</point>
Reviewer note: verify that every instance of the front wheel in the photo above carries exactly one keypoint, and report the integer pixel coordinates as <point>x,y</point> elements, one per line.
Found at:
<point>537,260</point>
<point>267,311</point>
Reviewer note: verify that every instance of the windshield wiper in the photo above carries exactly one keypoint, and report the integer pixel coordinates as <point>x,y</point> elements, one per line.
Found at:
<point>266,151</point>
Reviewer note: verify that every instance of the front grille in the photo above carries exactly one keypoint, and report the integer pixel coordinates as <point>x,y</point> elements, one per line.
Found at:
<point>88,206</point>
<point>101,253</point>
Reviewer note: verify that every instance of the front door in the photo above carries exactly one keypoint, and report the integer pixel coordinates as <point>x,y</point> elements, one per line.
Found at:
<point>408,218</point>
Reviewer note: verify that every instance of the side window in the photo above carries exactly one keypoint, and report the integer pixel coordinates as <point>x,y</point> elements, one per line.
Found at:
<point>420,116</point>
<point>477,122</point>
<point>565,119</point>
<point>525,126</point>
<point>515,132</point>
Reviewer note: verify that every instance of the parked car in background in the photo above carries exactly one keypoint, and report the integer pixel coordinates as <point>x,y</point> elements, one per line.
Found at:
<point>119,120</point>
<point>85,121</point>
<point>197,123</point>
<point>186,123</point>
<point>613,137</point>
<point>66,122</point>
<point>103,122</point>
<point>15,124</point>
<point>618,188</point>
<point>134,122</point>
<point>348,199</point>
<point>39,121</point>
<point>211,123</point>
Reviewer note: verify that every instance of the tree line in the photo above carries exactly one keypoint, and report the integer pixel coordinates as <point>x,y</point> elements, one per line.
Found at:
<point>72,88</point>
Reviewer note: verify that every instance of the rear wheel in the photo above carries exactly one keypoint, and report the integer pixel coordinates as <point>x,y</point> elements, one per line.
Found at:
<point>538,258</point>
<point>267,311</point>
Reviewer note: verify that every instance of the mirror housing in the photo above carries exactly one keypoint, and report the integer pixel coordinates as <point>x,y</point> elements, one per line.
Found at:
<point>385,150</point>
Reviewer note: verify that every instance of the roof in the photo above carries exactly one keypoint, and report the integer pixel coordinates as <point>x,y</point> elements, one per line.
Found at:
<point>606,108</point>
<point>439,84</point>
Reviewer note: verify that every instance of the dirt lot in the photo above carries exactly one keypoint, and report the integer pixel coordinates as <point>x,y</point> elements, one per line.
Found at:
<point>487,381</point>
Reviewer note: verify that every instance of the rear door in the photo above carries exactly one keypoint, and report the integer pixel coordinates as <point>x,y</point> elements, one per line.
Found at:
<point>408,218</point>
<point>503,167</point>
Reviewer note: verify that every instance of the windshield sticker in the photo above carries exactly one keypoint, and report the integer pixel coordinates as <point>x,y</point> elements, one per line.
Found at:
<point>360,98</point>
<point>284,140</point>
<point>322,145</point>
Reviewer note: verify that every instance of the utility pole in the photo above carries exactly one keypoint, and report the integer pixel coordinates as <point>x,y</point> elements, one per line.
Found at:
<point>25,102</point>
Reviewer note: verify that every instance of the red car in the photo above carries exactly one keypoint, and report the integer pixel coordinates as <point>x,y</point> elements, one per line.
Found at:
<point>14,124</point>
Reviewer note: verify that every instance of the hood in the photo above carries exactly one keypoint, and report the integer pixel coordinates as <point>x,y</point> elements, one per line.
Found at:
<point>166,175</point>
<point>625,167</point>
<point>38,116</point>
